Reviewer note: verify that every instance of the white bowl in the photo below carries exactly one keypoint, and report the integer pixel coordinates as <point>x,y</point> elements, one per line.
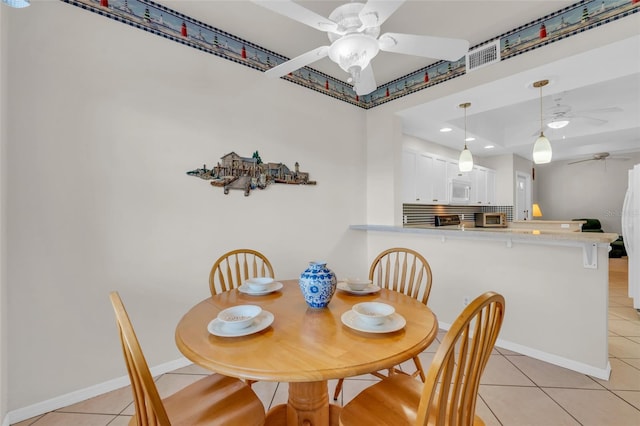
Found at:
<point>259,283</point>
<point>373,313</point>
<point>239,317</point>
<point>357,284</point>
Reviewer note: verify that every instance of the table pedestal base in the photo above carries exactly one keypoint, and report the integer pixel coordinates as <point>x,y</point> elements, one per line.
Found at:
<point>308,405</point>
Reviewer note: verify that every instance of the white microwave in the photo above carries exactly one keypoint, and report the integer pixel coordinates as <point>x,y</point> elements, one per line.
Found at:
<point>459,191</point>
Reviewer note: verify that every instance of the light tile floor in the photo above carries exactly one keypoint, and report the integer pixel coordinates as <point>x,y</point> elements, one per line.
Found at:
<point>516,390</point>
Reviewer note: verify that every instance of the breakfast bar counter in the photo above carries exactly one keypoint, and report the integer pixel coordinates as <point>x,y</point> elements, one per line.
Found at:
<point>555,283</point>
<point>522,234</point>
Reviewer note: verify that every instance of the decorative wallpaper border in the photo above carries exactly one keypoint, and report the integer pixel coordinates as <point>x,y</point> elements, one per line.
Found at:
<point>157,19</point>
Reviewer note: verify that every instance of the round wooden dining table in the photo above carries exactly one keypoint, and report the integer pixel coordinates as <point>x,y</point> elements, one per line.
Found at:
<point>304,346</point>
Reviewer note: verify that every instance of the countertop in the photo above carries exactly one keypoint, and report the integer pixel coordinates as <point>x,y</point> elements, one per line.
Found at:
<point>511,234</point>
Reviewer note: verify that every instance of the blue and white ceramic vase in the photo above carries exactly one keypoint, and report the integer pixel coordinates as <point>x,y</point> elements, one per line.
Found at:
<point>318,283</point>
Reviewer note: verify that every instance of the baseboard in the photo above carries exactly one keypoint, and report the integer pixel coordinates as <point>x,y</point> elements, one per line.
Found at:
<point>74,397</point>
<point>599,373</point>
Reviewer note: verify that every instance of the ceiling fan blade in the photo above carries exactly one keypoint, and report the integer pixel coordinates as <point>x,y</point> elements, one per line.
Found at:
<point>599,110</point>
<point>298,13</point>
<point>367,83</point>
<point>375,12</point>
<point>582,161</point>
<point>298,62</point>
<point>450,49</point>
<point>593,120</point>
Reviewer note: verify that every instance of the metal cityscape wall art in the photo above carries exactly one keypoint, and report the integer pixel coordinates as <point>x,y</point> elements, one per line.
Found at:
<point>234,172</point>
<point>172,25</point>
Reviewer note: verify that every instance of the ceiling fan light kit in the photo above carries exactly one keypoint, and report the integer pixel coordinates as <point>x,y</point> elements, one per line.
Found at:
<point>558,124</point>
<point>542,147</point>
<point>353,53</point>
<point>465,162</point>
<point>353,30</point>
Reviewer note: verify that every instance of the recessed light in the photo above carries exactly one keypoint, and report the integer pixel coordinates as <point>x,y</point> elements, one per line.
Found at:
<point>489,146</point>
<point>446,129</point>
<point>470,138</point>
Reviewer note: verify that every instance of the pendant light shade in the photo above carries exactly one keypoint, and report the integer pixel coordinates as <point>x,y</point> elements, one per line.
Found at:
<point>17,3</point>
<point>542,150</point>
<point>465,162</point>
<point>542,147</point>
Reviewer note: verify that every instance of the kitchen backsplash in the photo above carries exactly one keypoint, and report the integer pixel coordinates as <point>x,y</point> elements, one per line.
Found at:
<point>422,214</point>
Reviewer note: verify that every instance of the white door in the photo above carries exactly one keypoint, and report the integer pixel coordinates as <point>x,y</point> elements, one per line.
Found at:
<point>523,196</point>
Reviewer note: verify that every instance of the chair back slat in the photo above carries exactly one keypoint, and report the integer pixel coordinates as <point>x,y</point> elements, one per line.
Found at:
<point>235,267</point>
<point>451,387</point>
<point>149,408</point>
<point>403,270</point>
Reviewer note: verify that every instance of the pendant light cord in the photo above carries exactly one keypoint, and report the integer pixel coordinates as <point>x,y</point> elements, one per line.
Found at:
<point>541,125</point>
<point>465,127</point>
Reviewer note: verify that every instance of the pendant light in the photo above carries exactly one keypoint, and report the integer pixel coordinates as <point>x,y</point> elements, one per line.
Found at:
<point>465,162</point>
<point>542,147</point>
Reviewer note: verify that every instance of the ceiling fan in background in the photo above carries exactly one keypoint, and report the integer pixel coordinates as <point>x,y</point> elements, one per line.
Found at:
<point>353,30</point>
<point>600,156</point>
<point>560,115</point>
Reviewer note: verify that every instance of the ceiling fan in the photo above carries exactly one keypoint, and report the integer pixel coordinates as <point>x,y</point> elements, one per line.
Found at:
<point>353,30</point>
<point>600,156</point>
<point>561,114</point>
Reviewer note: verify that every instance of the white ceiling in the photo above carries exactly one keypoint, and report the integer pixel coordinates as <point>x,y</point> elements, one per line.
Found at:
<point>505,113</point>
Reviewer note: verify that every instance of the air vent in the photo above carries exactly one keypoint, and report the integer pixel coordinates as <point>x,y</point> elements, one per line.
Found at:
<point>484,55</point>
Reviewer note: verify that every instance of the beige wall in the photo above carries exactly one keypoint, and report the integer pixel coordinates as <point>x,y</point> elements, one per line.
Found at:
<point>592,189</point>
<point>505,178</point>
<point>106,119</point>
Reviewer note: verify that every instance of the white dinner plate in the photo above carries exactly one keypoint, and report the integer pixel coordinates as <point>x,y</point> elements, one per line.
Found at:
<point>262,321</point>
<point>395,322</point>
<point>369,289</point>
<point>275,286</point>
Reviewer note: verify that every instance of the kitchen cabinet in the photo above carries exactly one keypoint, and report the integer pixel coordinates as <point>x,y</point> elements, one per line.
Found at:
<point>483,184</point>
<point>453,172</point>
<point>479,187</point>
<point>409,176</point>
<point>438,177</point>
<point>491,187</point>
<point>424,178</point>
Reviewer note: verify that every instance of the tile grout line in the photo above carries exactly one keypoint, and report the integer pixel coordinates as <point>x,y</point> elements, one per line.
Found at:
<point>546,393</point>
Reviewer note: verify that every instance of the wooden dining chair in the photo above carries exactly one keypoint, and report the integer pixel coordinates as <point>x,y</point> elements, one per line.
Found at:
<point>214,400</point>
<point>448,396</point>
<point>406,271</point>
<point>234,267</point>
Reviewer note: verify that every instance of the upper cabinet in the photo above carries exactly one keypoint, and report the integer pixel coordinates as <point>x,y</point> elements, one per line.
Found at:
<point>491,187</point>
<point>426,179</point>
<point>409,177</point>
<point>483,186</point>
